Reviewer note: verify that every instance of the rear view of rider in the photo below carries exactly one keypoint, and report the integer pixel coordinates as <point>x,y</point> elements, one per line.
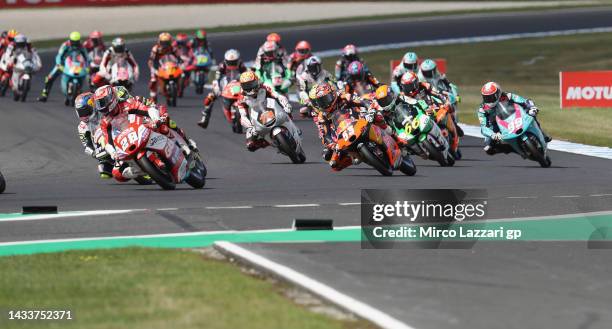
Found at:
<point>357,74</point>
<point>251,88</point>
<point>161,49</point>
<point>89,121</point>
<point>312,74</point>
<point>492,96</point>
<point>349,55</point>
<point>73,45</point>
<point>232,64</point>
<point>94,41</point>
<point>409,64</point>
<point>302,52</point>
<point>200,40</point>
<point>117,52</point>
<point>188,59</point>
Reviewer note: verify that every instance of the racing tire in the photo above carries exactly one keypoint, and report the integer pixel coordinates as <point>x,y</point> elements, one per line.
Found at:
<point>197,175</point>
<point>435,154</point>
<point>407,167</point>
<point>381,165</point>
<point>161,178</point>
<point>2,183</point>
<point>287,146</point>
<point>26,89</point>
<point>536,151</point>
<point>141,180</point>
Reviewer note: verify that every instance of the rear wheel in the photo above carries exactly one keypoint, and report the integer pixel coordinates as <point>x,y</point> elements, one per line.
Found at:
<point>379,163</point>
<point>25,90</point>
<point>162,178</point>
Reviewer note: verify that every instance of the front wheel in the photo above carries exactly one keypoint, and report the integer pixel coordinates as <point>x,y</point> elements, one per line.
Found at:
<point>380,164</point>
<point>407,167</point>
<point>25,89</point>
<point>537,151</point>
<point>435,154</point>
<point>162,178</point>
<point>287,146</point>
<point>2,183</point>
<point>197,175</point>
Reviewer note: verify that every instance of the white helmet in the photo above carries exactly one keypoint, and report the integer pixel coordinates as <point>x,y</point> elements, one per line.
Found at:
<point>232,58</point>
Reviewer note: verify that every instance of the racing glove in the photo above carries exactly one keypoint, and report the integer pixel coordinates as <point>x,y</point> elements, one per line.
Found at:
<point>370,115</point>
<point>533,111</point>
<point>90,151</point>
<point>497,137</point>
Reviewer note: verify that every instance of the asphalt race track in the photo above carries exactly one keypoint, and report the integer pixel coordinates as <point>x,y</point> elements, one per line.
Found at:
<point>490,286</point>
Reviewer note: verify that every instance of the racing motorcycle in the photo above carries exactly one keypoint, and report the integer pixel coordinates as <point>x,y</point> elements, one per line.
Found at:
<point>521,131</point>
<point>95,59</point>
<point>159,151</point>
<point>169,74</point>
<point>231,93</point>
<point>122,74</point>
<point>203,63</point>
<point>2,183</point>
<point>422,134</point>
<point>273,124</point>
<point>277,77</point>
<point>73,77</point>
<point>22,76</point>
<point>369,143</point>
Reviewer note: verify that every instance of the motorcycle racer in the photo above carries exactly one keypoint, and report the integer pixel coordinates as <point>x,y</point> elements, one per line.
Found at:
<point>94,40</point>
<point>117,51</point>
<point>359,79</point>
<point>6,39</point>
<point>349,55</point>
<point>163,47</point>
<point>251,88</point>
<point>113,101</point>
<point>200,40</point>
<point>492,95</point>
<point>89,121</point>
<point>326,100</point>
<point>73,45</point>
<point>185,52</point>
<point>302,52</point>
<point>264,54</point>
<point>232,63</point>
<point>311,74</point>
<point>409,63</point>
<point>8,60</point>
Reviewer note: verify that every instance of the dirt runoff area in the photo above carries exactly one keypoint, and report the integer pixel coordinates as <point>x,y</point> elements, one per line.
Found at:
<point>53,23</point>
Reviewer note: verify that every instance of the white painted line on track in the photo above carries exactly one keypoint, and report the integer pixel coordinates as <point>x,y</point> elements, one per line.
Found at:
<point>229,207</point>
<point>349,204</point>
<point>600,195</point>
<point>521,197</point>
<point>351,304</point>
<point>167,209</point>
<point>565,196</point>
<point>20,217</point>
<point>296,205</point>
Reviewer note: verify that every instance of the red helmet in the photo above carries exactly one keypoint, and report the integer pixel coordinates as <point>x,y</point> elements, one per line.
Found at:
<point>323,97</point>
<point>182,39</point>
<point>303,49</point>
<point>106,100</point>
<point>274,37</point>
<point>95,35</point>
<point>11,34</point>
<point>491,93</point>
<point>409,84</point>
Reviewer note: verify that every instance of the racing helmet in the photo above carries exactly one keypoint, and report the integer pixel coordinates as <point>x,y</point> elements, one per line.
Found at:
<point>409,61</point>
<point>355,70</point>
<point>118,45</point>
<point>96,37</point>
<point>75,39</point>
<point>249,83</point>
<point>429,69</point>
<point>385,97</point>
<point>313,65</point>
<point>269,50</point>
<point>232,59</point>
<point>11,34</point>
<point>409,84</point>
<point>84,106</point>
<point>349,52</point>
<point>106,100</point>
<point>200,35</point>
<point>20,41</point>
<point>274,37</point>
<point>491,93</point>
<point>303,49</point>
<point>165,40</point>
<point>323,97</point>
<point>182,39</point>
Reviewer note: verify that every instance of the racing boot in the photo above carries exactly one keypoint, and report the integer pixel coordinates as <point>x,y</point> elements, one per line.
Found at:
<point>205,117</point>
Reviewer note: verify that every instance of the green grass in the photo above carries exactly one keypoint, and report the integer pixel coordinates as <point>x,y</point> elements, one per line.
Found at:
<point>148,288</point>
<point>506,62</point>
<point>41,44</point>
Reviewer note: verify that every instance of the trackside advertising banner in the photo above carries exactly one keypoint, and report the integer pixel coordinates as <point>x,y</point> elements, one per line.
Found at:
<point>77,3</point>
<point>586,89</point>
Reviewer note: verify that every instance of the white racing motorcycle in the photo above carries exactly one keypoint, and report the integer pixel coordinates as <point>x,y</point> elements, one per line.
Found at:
<point>273,124</point>
<point>21,81</point>
<point>122,74</point>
